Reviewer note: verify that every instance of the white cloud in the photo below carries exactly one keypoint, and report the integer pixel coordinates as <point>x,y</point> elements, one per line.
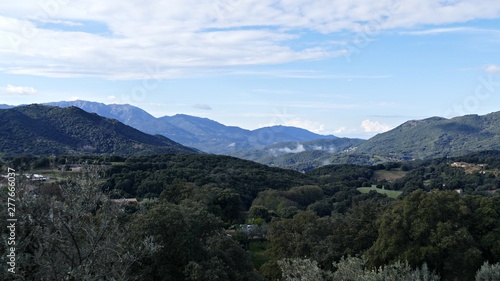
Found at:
<point>492,69</point>
<point>202,106</point>
<point>435,31</point>
<point>19,90</point>
<point>374,126</point>
<point>312,126</point>
<point>340,130</point>
<point>331,148</point>
<point>183,37</point>
<point>298,149</point>
<point>462,29</point>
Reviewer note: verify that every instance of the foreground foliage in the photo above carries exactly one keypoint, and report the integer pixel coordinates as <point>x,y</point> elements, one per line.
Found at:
<point>452,234</point>
<point>73,232</point>
<point>353,269</point>
<point>194,246</point>
<point>200,217</point>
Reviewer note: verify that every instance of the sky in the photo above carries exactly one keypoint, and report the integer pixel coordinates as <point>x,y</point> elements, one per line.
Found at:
<point>351,68</point>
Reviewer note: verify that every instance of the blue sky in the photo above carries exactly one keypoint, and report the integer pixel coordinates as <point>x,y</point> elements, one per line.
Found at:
<point>350,68</point>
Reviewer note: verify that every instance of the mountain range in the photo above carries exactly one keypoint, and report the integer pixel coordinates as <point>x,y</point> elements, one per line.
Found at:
<point>201,133</point>
<point>429,138</point>
<point>280,146</point>
<point>46,130</point>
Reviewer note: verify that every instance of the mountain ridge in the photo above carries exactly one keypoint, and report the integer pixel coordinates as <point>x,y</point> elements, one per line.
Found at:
<point>437,137</point>
<point>198,132</point>
<point>299,149</point>
<point>44,130</point>
<point>427,138</point>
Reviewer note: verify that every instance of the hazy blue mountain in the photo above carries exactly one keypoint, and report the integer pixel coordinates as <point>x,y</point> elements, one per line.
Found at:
<point>125,113</point>
<point>201,133</point>
<point>218,138</point>
<point>205,134</point>
<point>5,106</point>
<point>45,130</point>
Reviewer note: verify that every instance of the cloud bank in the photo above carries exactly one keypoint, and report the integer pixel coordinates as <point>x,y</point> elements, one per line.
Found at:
<point>370,126</point>
<point>300,148</point>
<point>19,90</point>
<point>123,39</point>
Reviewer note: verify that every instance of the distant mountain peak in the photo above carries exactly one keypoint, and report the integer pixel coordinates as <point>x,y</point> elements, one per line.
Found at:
<point>412,123</point>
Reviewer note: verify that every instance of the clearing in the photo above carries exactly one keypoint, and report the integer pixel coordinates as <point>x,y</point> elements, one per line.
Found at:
<point>389,193</point>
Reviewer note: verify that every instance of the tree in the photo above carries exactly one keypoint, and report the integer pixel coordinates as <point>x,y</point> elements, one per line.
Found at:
<point>428,228</point>
<point>484,225</point>
<point>352,269</point>
<point>488,272</point>
<point>75,234</point>
<point>355,269</point>
<point>294,237</point>
<point>304,195</point>
<point>224,203</point>
<point>349,234</point>
<point>300,270</point>
<point>193,245</point>
<point>261,212</point>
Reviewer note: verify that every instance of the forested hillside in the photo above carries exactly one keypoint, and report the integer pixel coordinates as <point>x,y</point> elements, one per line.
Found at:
<point>207,217</point>
<point>437,137</point>
<point>149,176</point>
<point>48,130</point>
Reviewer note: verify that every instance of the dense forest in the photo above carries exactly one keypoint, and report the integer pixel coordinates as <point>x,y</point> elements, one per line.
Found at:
<point>207,217</point>
<point>49,130</point>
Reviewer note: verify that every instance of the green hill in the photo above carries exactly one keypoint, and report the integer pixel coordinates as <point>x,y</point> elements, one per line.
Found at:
<point>436,137</point>
<point>148,176</point>
<point>417,139</point>
<point>45,130</point>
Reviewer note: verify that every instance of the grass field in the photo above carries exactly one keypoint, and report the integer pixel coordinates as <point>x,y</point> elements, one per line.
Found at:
<point>389,175</point>
<point>389,193</point>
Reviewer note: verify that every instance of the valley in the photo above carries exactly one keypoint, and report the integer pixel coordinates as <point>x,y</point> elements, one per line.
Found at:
<point>301,150</point>
<point>175,211</point>
<point>250,140</point>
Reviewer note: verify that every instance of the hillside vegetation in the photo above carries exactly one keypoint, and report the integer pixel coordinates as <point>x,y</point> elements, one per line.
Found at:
<point>48,130</point>
<point>437,137</point>
<point>208,217</point>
